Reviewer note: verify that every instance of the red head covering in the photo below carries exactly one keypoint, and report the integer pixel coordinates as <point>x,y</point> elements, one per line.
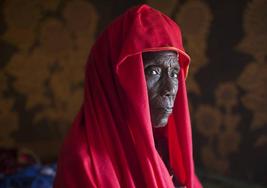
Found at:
<point>111,141</point>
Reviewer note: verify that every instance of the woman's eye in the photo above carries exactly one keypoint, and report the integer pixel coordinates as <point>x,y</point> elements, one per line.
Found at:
<point>153,72</point>
<point>174,75</point>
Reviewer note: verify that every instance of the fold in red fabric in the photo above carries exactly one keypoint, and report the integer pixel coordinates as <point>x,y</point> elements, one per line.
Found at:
<point>111,141</point>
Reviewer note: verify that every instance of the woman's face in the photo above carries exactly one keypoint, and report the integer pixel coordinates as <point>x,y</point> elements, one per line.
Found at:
<point>161,72</point>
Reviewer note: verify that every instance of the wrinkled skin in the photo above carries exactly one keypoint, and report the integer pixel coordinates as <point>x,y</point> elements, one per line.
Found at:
<point>161,72</point>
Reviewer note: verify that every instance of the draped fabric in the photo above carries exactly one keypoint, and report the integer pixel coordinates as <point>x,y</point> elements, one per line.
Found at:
<point>111,141</point>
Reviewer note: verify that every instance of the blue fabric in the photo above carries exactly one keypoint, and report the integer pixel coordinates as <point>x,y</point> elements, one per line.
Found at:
<point>35,176</point>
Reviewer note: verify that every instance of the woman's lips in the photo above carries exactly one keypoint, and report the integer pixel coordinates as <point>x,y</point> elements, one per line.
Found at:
<point>163,105</point>
<point>168,110</point>
<point>165,110</point>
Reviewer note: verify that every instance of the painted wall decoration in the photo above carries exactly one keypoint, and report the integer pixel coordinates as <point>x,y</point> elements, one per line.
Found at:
<point>44,46</point>
<point>50,42</point>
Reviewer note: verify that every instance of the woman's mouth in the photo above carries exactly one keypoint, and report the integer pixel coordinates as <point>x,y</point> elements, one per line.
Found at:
<point>168,110</point>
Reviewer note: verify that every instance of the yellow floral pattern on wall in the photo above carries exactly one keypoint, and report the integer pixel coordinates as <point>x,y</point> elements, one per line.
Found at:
<point>48,66</point>
<point>208,120</point>
<point>253,78</point>
<point>57,48</point>
<point>22,22</point>
<point>195,18</point>
<point>219,123</point>
<point>255,27</point>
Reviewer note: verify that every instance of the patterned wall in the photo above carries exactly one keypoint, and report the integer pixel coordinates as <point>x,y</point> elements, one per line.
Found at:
<point>43,49</point>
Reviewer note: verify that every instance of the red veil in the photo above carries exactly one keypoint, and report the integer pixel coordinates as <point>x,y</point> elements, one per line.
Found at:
<point>111,141</point>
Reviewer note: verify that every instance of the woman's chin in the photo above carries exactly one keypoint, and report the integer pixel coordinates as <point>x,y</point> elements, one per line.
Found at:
<point>160,124</point>
<point>160,121</point>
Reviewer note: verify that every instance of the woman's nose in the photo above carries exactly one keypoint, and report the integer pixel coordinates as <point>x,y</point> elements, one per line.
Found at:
<point>169,86</point>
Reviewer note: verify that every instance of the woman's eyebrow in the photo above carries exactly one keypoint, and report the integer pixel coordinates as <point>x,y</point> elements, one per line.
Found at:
<point>152,62</point>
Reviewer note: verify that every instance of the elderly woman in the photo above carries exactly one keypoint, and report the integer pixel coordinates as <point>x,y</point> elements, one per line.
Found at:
<point>133,129</point>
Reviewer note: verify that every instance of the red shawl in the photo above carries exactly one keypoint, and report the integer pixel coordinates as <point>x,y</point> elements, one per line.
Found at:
<point>111,141</point>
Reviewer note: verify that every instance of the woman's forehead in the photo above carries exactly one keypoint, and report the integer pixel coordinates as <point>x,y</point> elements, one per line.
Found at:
<point>160,57</point>
<point>156,54</point>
